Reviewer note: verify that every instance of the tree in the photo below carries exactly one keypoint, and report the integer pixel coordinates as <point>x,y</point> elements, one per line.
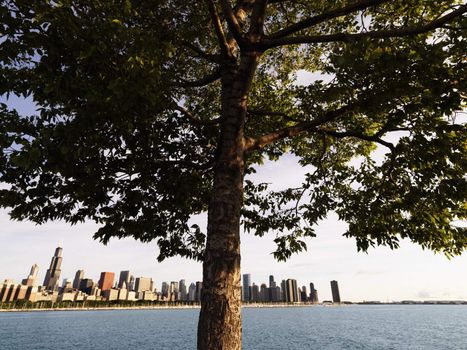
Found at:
<point>150,112</point>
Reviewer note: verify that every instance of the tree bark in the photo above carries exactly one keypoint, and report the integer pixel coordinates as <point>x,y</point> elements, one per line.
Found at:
<point>220,326</point>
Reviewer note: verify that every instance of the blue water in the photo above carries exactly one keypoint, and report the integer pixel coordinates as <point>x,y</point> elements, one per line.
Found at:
<point>348,327</point>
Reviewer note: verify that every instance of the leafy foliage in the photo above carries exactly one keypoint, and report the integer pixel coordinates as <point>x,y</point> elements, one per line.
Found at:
<point>129,101</point>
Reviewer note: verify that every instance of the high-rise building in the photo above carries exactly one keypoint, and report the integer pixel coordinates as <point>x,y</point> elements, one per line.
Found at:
<point>78,277</point>
<point>303,296</point>
<point>263,293</point>
<point>165,289</point>
<point>199,291</point>
<point>246,287</point>
<point>86,285</point>
<point>291,291</point>
<point>31,279</point>
<point>106,281</point>
<point>272,284</point>
<point>143,284</point>
<point>313,293</point>
<point>52,275</point>
<point>336,298</point>
<point>192,292</point>
<point>254,293</point>
<point>182,289</point>
<point>131,286</point>
<point>124,279</point>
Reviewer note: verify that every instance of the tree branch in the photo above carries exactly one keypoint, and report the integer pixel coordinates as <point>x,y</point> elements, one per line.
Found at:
<point>208,79</point>
<point>309,22</point>
<point>257,20</point>
<point>193,119</point>
<point>355,134</point>
<point>218,28</point>
<point>265,113</point>
<point>268,43</point>
<point>252,144</point>
<point>232,22</point>
<point>201,53</point>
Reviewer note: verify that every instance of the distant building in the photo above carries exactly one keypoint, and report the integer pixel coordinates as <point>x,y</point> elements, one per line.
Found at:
<point>165,289</point>
<point>52,275</point>
<point>110,294</point>
<point>274,293</point>
<point>246,287</point>
<point>131,286</point>
<point>313,293</point>
<point>254,293</point>
<point>174,291</point>
<point>85,285</point>
<point>182,289</point>
<point>199,291</point>
<point>192,292</point>
<point>31,279</point>
<point>77,280</point>
<point>263,293</point>
<point>303,296</point>
<point>143,284</point>
<point>124,279</point>
<point>106,281</point>
<point>272,284</point>
<point>291,291</point>
<point>336,298</point>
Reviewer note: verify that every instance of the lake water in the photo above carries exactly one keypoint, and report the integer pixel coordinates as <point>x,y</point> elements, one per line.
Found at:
<point>372,327</point>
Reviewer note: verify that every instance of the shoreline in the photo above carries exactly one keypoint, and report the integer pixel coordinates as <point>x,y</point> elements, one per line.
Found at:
<point>190,307</point>
<point>154,307</point>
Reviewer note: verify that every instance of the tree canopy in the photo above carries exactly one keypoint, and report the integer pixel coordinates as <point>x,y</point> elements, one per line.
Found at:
<point>130,92</point>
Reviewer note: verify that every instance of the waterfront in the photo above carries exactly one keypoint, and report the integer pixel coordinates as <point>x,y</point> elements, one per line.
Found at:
<point>413,327</point>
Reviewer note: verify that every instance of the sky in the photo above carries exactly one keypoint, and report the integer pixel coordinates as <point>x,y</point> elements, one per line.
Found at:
<point>408,273</point>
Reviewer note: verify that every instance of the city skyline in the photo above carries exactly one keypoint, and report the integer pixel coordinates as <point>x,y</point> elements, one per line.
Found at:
<point>325,293</point>
<point>127,288</point>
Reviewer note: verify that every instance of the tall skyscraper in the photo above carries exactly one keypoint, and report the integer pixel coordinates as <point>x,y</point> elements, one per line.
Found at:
<point>336,298</point>
<point>165,289</point>
<point>291,291</point>
<point>78,277</point>
<point>303,296</point>
<point>192,292</point>
<point>106,281</point>
<point>124,279</point>
<point>199,291</point>
<point>246,287</point>
<point>131,287</point>
<point>272,284</point>
<point>53,273</point>
<point>313,293</point>
<point>182,289</point>
<point>31,279</point>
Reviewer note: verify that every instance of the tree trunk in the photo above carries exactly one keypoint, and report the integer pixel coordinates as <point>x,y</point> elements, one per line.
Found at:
<point>220,326</point>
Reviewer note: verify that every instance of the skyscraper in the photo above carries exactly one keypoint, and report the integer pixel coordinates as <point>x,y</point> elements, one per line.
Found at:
<point>165,289</point>
<point>53,273</point>
<point>313,293</point>
<point>291,291</point>
<point>192,292</point>
<point>246,287</point>
<point>182,289</point>
<point>124,279</point>
<point>336,298</point>
<point>131,286</point>
<point>106,281</point>
<point>272,284</point>
<point>199,291</point>
<point>78,277</point>
<point>31,279</point>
